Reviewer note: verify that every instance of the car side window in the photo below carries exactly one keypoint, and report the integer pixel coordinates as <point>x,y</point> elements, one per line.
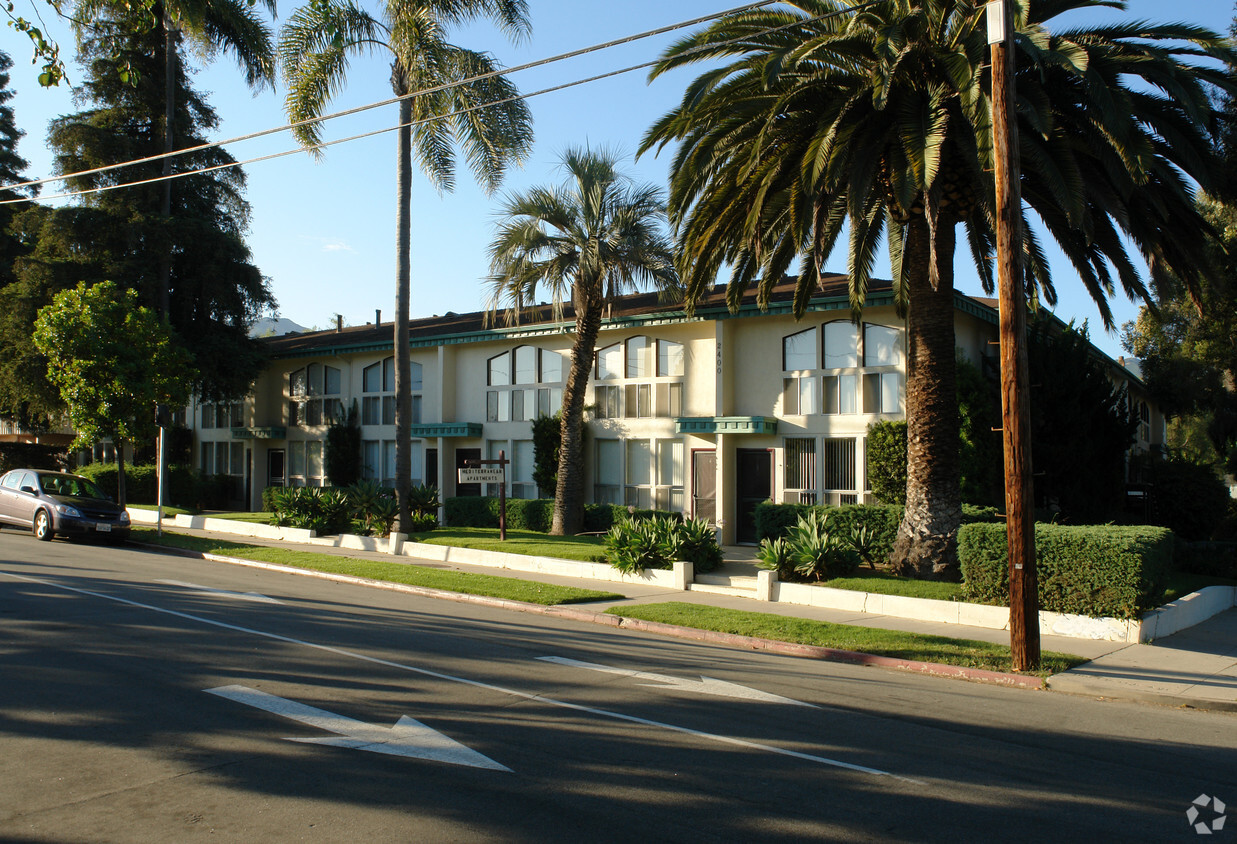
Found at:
<point>10,480</point>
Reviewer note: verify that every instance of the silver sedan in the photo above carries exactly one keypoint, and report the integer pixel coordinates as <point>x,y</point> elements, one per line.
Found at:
<point>51,503</point>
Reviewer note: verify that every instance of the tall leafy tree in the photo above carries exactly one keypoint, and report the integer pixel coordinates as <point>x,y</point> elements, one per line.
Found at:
<point>821,120</point>
<point>588,241</point>
<point>450,97</point>
<point>12,168</point>
<point>113,361</point>
<point>123,235</point>
<point>208,27</point>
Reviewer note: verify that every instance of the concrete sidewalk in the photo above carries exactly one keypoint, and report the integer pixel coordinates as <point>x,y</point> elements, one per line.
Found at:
<point>1196,667</point>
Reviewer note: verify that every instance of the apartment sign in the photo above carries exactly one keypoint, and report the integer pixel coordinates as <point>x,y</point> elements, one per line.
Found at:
<point>481,475</point>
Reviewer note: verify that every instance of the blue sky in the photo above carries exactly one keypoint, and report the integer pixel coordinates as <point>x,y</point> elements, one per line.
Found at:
<point>324,232</point>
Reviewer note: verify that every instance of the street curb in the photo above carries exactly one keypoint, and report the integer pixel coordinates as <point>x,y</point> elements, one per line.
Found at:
<point>1100,689</point>
<point>570,613</point>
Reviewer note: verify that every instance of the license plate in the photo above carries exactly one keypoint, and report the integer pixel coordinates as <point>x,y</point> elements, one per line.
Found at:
<point>102,528</point>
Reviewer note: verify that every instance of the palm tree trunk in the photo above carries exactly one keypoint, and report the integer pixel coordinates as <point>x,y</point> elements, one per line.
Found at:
<point>403,294</point>
<point>163,295</point>
<point>927,540</point>
<point>569,490</point>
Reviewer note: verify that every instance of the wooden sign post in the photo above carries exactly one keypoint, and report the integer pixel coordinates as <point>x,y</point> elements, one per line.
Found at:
<point>476,472</point>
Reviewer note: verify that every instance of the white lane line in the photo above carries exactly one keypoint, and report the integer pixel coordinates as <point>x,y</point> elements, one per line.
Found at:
<point>256,597</point>
<point>409,737</point>
<point>705,685</point>
<point>425,672</point>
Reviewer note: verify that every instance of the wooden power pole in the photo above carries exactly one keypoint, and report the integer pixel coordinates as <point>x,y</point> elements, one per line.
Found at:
<point>1015,387</point>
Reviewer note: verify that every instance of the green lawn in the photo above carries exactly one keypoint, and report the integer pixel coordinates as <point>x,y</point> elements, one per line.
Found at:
<point>883,583</point>
<point>508,588</point>
<point>583,548</point>
<point>869,640</point>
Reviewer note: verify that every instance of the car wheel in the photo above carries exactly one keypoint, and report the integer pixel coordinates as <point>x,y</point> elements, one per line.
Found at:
<point>43,526</point>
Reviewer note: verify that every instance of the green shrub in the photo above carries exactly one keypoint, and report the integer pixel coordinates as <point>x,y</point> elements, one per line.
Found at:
<point>886,455</point>
<point>1188,498</point>
<point>1097,571</point>
<point>1214,559</point>
<point>31,456</point>
<point>322,510</point>
<point>819,547</point>
<point>182,486</point>
<point>268,498</point>
<point>471,511</point>
<point>657,542</point>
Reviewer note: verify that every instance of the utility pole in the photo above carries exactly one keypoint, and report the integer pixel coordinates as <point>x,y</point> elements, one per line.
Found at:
<point>1015,387</point>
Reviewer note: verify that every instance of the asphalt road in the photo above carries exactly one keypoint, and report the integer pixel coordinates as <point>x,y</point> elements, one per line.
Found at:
<point>153,698</point>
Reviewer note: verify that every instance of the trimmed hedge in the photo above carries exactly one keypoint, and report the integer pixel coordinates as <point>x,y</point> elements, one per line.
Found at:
<point>536,514</point>
<point>1098,571</point>
<point>183,486</point>
<point>881,520</point>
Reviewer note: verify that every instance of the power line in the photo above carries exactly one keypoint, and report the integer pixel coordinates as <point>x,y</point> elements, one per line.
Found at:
<point>325,144</point>
<point>379,104</point>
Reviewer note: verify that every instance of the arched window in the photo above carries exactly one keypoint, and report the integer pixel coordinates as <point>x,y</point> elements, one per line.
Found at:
<point>841,344</point>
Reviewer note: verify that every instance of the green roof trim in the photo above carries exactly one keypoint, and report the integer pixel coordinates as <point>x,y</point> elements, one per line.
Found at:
<point>430,430</point>
<point>725,425</point>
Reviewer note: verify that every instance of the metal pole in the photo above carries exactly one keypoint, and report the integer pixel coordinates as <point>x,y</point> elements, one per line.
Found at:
<point>1015,390</point>
<point>159,518</point>
<point>502,497</point>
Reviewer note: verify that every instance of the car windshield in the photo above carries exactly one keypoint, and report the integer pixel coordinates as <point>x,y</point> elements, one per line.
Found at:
<point>70,485</point>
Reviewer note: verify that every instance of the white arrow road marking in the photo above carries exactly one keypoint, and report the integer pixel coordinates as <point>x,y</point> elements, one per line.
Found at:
<point>409,737</point>
<point>240,596</point>
<point>705,685</point>
<point>476,684</point>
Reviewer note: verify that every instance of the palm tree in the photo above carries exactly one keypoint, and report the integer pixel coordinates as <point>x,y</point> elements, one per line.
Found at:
<point>211,26</point>
<point>876,122</point>
<point>453,90</point>
<point>594,238</point>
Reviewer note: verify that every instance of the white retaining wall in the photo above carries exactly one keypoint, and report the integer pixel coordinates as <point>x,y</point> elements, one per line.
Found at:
<point>1170,618</point>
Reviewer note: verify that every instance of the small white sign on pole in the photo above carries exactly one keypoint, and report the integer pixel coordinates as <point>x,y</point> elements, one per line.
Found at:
<point>483,475</point>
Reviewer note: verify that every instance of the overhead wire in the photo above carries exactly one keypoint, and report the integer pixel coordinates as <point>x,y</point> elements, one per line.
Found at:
<point>421,92</point>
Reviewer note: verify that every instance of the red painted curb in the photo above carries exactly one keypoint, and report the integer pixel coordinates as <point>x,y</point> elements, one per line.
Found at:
<point>570,613</point>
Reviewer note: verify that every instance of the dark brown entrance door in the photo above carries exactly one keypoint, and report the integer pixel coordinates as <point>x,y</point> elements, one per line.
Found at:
<point>704,485</point>
<point>754,482</point>
<point>462,455</point>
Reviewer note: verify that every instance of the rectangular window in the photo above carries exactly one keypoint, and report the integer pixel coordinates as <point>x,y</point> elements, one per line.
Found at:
<point>839,471</point>
<point>237,466</point>
<point>638,400</point>
<point>606,401</point>
<point>416,463</point>
<point>388,462</point>
<point>609,472</point>
<point>208,458</point>
<point>543,403</point>
<point>491,406</point>
<point>208,416</point>
<point>639,465</point>
<point>669,358</point>
<point>670,474</point>
<point>332,381</point>
<point>296,460</point>
<point>371,410</point>
<point>221,458</point>
<point>881,392</point>
<point>388,410</point>
<point>848,393</point>
<point>313,462</point>
<point>798,396</point>
<point>371,469</point>
<point>416,411</point>
<point>799,470</point>
<point>521,470</point>
<point>669,400</point>
<point>221,416</point>
<point>517,405</point>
